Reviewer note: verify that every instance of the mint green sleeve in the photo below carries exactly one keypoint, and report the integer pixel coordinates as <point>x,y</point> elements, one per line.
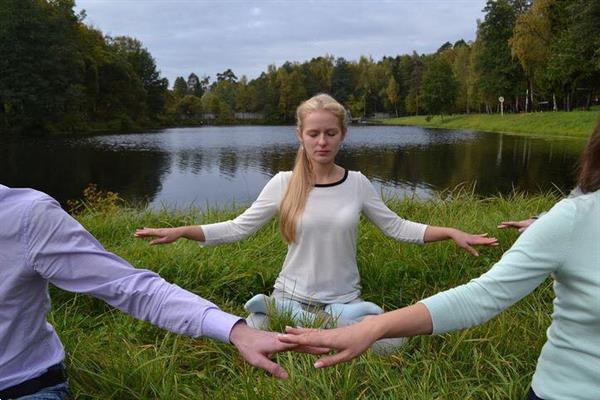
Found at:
<point>538,252</point>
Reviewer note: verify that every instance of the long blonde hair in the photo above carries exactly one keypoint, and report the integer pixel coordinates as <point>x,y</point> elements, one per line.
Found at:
<point>303,179</point>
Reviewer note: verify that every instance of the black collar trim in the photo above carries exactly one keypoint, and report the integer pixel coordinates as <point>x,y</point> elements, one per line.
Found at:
<point>334,183</point>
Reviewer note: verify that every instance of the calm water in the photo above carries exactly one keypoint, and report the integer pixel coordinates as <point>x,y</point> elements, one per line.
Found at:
<point>222,165</point>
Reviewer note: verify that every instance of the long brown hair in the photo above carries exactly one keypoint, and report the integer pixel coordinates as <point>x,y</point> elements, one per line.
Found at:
<point>303,179</point>
<point>589,172</point>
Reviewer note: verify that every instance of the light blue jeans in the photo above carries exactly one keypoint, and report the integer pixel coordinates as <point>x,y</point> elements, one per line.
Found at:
<point>58,392</point>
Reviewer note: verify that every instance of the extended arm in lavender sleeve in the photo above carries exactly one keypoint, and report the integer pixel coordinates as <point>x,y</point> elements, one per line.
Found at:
<point>63,252</point>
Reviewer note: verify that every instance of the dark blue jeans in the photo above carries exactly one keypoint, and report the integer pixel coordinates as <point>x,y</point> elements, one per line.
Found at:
<point>532,396</point>
<point>58,392</point>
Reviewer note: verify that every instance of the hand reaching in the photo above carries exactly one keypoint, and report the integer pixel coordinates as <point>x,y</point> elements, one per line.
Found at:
<point>257,346</point>
<point>467,241</point>
<point>349,341</point>
<point>162,235</point>
<point>520,225</point>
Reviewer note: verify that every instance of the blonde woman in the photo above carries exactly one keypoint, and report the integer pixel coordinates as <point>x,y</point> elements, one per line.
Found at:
<point>319,205</point>
<point>562,244</point>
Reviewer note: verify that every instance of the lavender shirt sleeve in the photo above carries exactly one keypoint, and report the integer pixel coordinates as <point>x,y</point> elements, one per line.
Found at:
<point>64,253</point>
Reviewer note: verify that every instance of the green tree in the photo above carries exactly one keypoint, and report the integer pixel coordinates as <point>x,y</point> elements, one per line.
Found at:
<point>42,68</point>
<point>499,73</point>
<point>180,87</point>
<point>291,92</point>
<point>462,73</point>
<point>530,42</point>
<point>317,75</point>
<point>196,86</point>
<point>342,80</point>
<point>439,87</point>
<point>243,95</point>
<point>189,107</point>
<point>412,100</point>
<point>392,93</point>
<point>227,76</point>
<point>144,66</point>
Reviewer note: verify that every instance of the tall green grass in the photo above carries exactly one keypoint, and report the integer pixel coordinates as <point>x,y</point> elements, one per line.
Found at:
<point>574,123</point>
<point>113,356</point>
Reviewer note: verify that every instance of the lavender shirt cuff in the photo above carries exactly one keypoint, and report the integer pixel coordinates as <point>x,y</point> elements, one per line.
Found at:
<point>218,324</point>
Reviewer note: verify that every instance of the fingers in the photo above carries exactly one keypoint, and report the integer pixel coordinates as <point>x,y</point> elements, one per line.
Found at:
<point>488,242</point>
<point>333,360</point>
<point>482,240</point>
<point>145,232</point>
<point>471,250</point>
<point>298,331</point>
<point>311,350</point>
<point>271,367</point>
<point>161,240</point>
<point>508,224</point>
<point>309,339</point>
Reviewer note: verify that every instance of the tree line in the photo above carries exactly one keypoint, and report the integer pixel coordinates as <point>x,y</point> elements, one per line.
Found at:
<point>64,76</point>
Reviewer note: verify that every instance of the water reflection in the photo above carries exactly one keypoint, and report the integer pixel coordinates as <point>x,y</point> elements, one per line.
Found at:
<point>179,167</point>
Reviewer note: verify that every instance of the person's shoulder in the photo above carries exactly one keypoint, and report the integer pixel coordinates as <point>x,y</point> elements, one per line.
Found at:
<point>24,197</point>
<point>585,202</point>
<point>358,176</point>
<point>279,181</point>
<point>22,205</point>
<point>282,177</point>
<point>570,210</point>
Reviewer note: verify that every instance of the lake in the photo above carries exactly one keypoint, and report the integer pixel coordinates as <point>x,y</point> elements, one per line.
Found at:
<point>212,166</point>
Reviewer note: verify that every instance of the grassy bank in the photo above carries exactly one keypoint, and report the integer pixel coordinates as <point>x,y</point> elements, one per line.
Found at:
<point>113,356</point>
<point>575,123</point>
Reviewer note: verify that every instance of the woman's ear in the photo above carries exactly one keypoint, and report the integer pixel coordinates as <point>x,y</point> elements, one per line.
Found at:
<point>299,135</point>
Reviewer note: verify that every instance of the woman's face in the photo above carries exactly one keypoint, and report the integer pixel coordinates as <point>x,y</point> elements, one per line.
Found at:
<point>321,136</point>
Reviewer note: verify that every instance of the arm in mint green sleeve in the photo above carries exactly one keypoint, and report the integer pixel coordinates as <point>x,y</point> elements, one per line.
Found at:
<point>539,251</point>
<point>258,214</point>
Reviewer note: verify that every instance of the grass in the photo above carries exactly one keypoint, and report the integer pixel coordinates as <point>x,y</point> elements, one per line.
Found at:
<point>113,356</point>
<point>574,123</point>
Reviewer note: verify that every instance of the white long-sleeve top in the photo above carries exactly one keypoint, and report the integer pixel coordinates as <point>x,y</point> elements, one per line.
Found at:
<point>320,266</point>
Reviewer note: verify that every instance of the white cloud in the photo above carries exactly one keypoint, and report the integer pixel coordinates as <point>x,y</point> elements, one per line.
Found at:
<point>208,36</point>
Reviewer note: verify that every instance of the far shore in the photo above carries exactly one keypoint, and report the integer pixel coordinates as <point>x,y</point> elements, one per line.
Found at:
<point>572,124</point>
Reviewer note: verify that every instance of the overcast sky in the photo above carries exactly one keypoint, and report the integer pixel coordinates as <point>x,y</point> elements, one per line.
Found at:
<point>207,37</point>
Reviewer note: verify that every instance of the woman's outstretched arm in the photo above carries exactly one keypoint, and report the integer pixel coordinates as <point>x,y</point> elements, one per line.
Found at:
<point>169,235</point>
<point>259,213</point>
<point>407,231</point>
<point>537,253</point>
<point>462,239</point>
<point>353,340</point>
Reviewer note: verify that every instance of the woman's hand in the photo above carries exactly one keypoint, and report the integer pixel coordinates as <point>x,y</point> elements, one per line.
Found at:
<point>462,239</point>
<point>349,341</point>
<point>467,241</point>
<point>257,347</point>
<point>520,225</point>
<point>162,235</point>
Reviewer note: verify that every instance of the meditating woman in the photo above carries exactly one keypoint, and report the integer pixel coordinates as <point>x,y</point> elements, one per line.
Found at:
<point>564,244</point>
<point>319,205</point>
